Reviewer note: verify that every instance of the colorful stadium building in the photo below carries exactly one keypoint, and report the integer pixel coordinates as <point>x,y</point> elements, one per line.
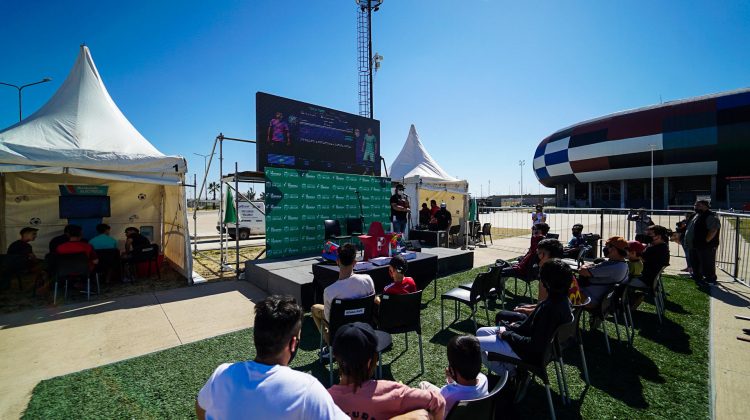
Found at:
<point>699,147</point>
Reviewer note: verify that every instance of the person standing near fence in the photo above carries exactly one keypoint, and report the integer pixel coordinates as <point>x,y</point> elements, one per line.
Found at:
<point>539,216</point>
<point>702,239</point>
<point>642,222</point>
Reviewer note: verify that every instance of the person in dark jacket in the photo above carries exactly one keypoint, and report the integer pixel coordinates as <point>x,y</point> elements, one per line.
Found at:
<point>521,268</point>
<point>655,256</point>
<point>527,338</point>
<point>702,239</point>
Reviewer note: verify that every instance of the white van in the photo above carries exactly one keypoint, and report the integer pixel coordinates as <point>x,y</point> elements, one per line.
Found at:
<point>252,220</point>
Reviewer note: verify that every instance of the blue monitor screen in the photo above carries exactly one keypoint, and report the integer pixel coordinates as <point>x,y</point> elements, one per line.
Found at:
<point>84,206</point>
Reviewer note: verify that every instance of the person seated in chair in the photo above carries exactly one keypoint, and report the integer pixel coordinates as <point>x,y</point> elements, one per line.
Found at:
<point>635,263</point>
<point>348,286</point>
<point>355,349</point>
<point>598,279</point>
<point>575,243</point>
<point>57,240</point>
<point>134,241</point>
<point>549,249</point>
<point>22,248</point>
<point>655,257</point>
<point>400,285</point>
<point>103,240</point>
<point>521,268</point>
<point>463,376</point>
<point>266,387</point>
<point>526,340</point>
<point>75,245</point>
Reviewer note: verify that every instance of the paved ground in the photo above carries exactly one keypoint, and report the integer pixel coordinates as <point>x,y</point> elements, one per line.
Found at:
<point>46,343</point>
<point>42,344</point>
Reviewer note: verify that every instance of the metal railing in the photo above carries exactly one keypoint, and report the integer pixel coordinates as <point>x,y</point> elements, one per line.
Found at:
<point>733,255</point>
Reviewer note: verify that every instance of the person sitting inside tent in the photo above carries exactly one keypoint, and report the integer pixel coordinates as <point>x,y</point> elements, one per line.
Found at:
<point>135,241</point>
<point>103,240</point>
<point>65,237</point>
<point>354,347</point>
<point>76,245</point>
<point>26,258</point>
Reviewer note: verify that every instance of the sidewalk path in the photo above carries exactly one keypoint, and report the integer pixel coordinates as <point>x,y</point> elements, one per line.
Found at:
<point>41,344</point>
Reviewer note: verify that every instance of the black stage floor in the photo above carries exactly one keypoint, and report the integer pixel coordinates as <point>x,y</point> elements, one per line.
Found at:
<point>294,276</point>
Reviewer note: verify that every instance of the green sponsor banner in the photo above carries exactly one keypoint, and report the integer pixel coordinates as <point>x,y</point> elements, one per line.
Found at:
<point>297,203</point>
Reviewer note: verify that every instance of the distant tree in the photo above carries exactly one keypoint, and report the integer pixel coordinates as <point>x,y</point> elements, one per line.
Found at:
<point>263,196</point>
<point>250,194</point>
<point>213,188</point>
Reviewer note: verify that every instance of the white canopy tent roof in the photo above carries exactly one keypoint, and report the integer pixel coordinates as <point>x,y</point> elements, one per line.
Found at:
<point>80,136</point>
<point>417,170</point>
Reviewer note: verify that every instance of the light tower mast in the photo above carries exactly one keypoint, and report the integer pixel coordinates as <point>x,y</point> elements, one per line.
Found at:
<point>367,62</point>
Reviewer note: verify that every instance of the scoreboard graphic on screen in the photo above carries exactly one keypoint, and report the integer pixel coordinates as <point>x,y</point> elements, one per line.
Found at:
<point>298,135</point>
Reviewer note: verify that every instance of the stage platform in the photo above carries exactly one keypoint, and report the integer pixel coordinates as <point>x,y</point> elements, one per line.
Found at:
<point>294,276</point>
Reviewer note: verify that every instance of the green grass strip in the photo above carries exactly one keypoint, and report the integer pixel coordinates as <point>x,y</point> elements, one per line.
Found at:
<point>665,375</point>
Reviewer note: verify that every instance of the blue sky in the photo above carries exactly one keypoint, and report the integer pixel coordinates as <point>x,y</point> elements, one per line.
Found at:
<point>483,81</point>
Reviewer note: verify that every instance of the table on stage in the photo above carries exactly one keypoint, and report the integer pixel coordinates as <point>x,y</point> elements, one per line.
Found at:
<point>423,269</point>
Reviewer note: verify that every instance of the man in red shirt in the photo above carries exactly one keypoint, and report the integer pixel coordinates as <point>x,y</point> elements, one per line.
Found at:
<point>76,246</point>
<point>401,285</point>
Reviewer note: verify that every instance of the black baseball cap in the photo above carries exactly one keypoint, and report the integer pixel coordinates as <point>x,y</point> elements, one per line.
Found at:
<point>399,186</point>
<point>355,343</point>
<point>399,264</point>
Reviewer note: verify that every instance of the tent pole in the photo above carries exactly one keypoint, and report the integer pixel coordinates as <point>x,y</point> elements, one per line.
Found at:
<point>195,214</point>
<point>2,211</point>
<point>221,203</point>
<point>237,220</point>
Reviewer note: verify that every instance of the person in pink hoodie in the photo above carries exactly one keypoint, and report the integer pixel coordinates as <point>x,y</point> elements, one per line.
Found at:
<point>354,348</point>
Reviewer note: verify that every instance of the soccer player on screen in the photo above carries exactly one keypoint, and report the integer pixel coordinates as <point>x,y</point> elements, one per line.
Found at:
<point>368,146</point>
<point>278,131</point>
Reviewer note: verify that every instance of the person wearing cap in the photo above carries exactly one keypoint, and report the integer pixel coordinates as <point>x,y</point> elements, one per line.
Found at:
<point>401,285</point>
<point>576,241</point>
<point>134,240</point>
<point>702,239</point>
<point>463,376</point>
<point>635,263</point>
<point>599,279</point>
<point>355,349</point>
<point>539,216</point>
<point>348,286</point>
<point>527,340</point>
<point>443,217</point>
<point>399,209</point>
<point>266,387</point>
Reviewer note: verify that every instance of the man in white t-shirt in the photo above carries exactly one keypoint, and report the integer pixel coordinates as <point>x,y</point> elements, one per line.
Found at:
<point>266,387</point>
<point>463,377</point>
<point>348,286</point>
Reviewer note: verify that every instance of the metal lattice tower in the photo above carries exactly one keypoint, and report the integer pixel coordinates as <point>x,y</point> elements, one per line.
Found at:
<point>363,57</point>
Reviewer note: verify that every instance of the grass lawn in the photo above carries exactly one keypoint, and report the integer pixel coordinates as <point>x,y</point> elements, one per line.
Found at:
<point>665,375</point>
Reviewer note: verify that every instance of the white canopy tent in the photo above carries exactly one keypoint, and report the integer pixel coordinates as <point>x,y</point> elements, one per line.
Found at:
<point>80,138</point>
<point>425,180</point>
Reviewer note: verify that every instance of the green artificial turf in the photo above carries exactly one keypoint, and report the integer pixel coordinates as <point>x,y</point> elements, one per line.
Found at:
<point>665,375</point>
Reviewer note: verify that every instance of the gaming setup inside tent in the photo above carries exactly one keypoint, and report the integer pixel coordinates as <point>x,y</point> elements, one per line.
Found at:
<point>79,160</point>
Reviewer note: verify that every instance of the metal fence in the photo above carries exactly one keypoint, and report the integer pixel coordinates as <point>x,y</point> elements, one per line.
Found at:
<point>733,256</point>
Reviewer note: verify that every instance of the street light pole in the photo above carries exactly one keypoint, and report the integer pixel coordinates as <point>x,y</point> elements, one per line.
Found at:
<point>204,170</point>
<point>20,88</point>
<point>521,163</point>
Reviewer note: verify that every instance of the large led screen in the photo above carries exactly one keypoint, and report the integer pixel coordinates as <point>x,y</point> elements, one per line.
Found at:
<point>293,134</point>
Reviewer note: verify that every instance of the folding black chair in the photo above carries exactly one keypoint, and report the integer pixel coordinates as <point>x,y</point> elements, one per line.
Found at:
<point>453,232</point>
<point>497,281</point>
<point>12,266</point>
<point>576,263</point>
<point>402,314</point>
<point>569,335</point>
<point>531,274</point>
<point>109,261</point>
<point>479,291</point>
<point>333,231</point>
<point>657,293</point>
<point>149,255</point>
<point>480,408</point>
<point>611,305</point>
<point>538,369</point>
<point>346,311</point>
<point>69,266</point>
